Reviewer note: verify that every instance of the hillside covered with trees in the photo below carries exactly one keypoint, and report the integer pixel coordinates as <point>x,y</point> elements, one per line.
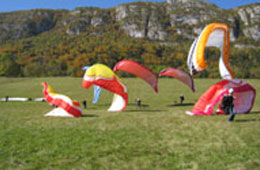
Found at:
<point>158,35</point>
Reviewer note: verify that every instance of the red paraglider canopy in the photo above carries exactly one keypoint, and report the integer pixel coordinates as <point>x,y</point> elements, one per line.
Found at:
<point>244,95</point>
<point>180,75</point>
<point>139,70</point>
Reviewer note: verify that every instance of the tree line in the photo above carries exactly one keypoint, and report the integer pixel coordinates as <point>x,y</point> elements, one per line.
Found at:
<point>64,55</point>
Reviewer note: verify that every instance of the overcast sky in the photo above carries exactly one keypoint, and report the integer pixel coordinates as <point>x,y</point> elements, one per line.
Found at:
<point>15,5</point>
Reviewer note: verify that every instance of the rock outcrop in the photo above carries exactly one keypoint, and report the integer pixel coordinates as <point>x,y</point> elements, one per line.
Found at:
<point>17,25</point>
<point>250,19</point>
<point>156,21</point>
<point>79,20</point>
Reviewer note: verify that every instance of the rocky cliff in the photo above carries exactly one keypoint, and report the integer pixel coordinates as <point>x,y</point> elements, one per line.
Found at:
<point>250,20</point>
<point>17,25</point>
<point>155,21</point>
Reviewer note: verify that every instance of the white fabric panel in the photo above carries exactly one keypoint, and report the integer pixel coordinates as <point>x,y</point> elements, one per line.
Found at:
<point>58,112</point>
<point>216,39</point>
<point>19,99</point>
<point>191,55</point>
<point>41,99</point>
<point>194,61</point>
<point>117,104</point>
<point>225,74</point>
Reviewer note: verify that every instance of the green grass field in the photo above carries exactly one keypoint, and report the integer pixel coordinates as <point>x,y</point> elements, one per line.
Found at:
<point>158,136</point>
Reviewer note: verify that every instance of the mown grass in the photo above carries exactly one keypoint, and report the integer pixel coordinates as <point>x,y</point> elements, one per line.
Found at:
<point>158,136</point>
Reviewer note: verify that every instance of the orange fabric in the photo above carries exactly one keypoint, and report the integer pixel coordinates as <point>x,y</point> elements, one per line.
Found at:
<point>203,42</point>
<point>200,53</point>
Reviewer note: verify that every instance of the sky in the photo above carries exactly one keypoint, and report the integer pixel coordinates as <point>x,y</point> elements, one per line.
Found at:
<point>16,5</point>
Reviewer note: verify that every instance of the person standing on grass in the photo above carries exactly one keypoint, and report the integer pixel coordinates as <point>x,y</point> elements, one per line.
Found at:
<point>138,102</point>
<point>181,98</point>
<point>227,105</point>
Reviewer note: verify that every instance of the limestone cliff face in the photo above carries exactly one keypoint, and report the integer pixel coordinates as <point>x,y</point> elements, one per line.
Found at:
<point>158,21</point>
<point>25,24</point>
<point>186,18</point>
<point>250,19</point>
<point>155,21</point>
<point>143,20</point>
<point>191,12</point>
<point>79,20</point>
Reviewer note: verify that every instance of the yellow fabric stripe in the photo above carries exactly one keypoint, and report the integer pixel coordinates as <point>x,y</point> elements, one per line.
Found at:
<point>100,70</point>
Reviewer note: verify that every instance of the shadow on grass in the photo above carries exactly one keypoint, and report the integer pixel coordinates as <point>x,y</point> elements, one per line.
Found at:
<point>97,107</point>
<point>89,115</point>
<point>106,104</point>
<point>140,110</point>
<point>255,112</point>
<point>134,104</point>
<point>247,120</point>
<point>179,104</point>
<point>91,108</point>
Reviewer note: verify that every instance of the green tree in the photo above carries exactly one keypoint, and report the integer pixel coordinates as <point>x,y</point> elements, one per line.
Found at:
<point>8,66</point>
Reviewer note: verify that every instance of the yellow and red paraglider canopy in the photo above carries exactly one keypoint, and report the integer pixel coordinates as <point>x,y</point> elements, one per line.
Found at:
<point>104,77</point>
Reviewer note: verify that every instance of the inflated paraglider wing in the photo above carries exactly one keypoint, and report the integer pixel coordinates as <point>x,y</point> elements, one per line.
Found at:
<point>179,75</point>
<point>97,89</point>
<point>66,107</point>
<point>139,70</point>
<point>213,35</point>
<point>244,95</point>
<point>104,77</point>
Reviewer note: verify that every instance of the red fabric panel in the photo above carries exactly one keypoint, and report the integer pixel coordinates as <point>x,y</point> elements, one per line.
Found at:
<point>60,103</point>
<point>112,85</point>
<point>139,70</point>
<point>244,95</point>
<point>180,75</point>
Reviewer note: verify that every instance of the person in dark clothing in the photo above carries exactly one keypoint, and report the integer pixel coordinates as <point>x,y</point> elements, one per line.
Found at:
<point>138,102</point>
<point>227,105</point>
<point>6,98</point>
<point>181,98</point>
<point>84,102</point>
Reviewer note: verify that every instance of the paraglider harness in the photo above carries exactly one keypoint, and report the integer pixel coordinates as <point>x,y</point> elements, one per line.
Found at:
<point>227,106</point>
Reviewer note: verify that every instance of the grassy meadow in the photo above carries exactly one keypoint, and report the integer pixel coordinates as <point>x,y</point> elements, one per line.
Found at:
<point>155,136</point>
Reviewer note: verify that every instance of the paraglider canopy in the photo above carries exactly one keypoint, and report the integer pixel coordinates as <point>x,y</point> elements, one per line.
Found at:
<point>103,76</point>
<point>97,89</point>
<point>244,95</point>
<point>213,35</point>
<point>139,70</point>
<point>66,106</point>
<point>179,75</point>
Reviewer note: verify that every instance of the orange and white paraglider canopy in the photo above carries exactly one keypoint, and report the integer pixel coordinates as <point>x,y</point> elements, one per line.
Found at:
<point>213,35</point>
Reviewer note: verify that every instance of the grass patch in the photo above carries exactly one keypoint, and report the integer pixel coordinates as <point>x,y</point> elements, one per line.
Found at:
<point>159,136</point>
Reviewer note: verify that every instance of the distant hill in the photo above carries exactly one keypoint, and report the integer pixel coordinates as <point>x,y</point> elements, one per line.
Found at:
<point>59,42</point>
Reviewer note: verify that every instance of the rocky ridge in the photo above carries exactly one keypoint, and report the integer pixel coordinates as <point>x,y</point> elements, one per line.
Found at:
<point>155,21</point>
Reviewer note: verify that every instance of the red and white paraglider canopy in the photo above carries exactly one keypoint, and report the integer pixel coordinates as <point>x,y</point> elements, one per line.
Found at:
<point>66,107</point>
<point>244,95</point>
